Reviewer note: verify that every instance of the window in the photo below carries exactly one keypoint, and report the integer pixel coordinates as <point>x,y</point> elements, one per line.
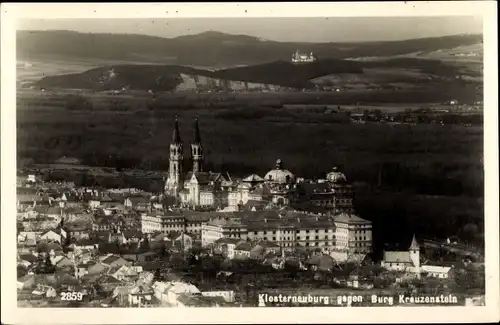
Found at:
<point>307,237</point>
<point>265,232</point>
<point>255,233</point>
<point>274,238</point>
<point>274,232</point>
<point>316,230</point>
<point>298,237</point>
<point>317,237</point>
<point>317,244</point>
<point>307,244</point>
<point>307,231</point>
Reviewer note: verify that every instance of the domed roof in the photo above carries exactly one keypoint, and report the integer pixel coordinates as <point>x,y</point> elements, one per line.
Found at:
<point>335,176</point>
<point>279,175</point>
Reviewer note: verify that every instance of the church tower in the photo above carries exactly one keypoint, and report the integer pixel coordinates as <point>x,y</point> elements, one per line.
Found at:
<point>415,252</point>
<point>174,180</point>
<point>197,149</point>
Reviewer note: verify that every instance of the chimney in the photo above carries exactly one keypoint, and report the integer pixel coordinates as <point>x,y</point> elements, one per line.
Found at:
<point>298,219</point>
<point>265,220</point>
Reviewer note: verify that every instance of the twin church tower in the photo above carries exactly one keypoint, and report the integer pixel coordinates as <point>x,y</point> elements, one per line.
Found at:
<point>175,181</point>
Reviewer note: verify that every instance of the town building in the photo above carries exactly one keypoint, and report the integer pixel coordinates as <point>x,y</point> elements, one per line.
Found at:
<point>404,261</point>
<point>222,227</point>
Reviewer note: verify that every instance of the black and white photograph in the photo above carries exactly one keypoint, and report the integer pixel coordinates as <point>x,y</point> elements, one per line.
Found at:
<point>333,159</point>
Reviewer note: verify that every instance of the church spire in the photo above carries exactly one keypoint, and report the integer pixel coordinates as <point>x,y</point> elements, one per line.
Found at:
<point>174,180</point>
<point>414,245</point>
<point>197,149</point>
<point>176,137</point>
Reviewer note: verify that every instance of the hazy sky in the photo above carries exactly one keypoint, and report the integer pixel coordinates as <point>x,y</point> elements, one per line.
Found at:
<point>339,29</point>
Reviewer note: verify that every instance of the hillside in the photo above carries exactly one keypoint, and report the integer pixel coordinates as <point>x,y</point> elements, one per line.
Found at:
<point>211,48</point>
<point>264,76</point>
<point>168,77</point>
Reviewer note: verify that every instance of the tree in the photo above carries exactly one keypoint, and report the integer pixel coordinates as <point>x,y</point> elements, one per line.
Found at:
<point>157,276</point>
<point>45,266</point>
<point>145,244</point>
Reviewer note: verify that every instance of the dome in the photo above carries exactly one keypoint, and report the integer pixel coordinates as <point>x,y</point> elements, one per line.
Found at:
<point>335,176</point>
<point>279,175</point>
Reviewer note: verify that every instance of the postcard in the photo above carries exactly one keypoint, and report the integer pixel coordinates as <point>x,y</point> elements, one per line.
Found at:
<point>255,162</point>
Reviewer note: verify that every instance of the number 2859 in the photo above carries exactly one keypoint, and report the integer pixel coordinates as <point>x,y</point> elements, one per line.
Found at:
<point>71,296</point>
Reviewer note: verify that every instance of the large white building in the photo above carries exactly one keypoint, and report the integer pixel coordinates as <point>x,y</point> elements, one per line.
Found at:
<point>299,57</point>
<point>291,229</point>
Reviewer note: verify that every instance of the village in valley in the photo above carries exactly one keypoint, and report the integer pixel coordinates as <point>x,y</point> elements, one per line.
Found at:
<point>210,239</point>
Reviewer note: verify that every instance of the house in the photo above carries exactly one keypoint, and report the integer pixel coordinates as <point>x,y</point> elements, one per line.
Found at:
<point>45,290</point>
<point>109,283</point>
<point>185,241</point>
<point>227,246</point>
<point>135,296</point>
<point>56,235</point>
<point>27,237</point>
<point>141,257</point>
<point>86,244</point>
<point>138,203</point>
<point>228,296</point>
<point>242,250</point>
<point>114,261</point>
<point>168,292</point>
<point>323,263</point>
<point>263,248</point>
<point>143,298</point>
<point>97,268</point>
<point>63,263</point>
<point>440,272</point>
<point>162,237</point>
<point>27,200</point>
<point>83,255</point>
<point>145,278</point>
<point>124,273</point>
<point>82,269</point>
<point>79,229</point>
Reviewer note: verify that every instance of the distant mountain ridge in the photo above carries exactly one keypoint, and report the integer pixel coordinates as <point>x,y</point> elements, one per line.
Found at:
<point>211,48</point>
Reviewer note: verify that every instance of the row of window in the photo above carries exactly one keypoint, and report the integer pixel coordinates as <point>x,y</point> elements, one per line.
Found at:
<point>291,231</point>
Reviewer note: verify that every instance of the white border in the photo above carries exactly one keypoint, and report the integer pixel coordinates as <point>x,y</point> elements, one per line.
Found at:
<point>10,312</point>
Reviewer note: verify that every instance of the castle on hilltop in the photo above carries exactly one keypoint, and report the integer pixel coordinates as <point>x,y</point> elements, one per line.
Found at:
<point>279,186</point>
<point>299,57</point>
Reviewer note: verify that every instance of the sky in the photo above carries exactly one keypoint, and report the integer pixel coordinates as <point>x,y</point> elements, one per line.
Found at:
<point>333,29</point>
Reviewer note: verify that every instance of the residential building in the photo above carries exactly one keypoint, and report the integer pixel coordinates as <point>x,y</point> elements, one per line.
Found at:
<point>353,233</point>
<point>151,222</point>
<point>220,227</point>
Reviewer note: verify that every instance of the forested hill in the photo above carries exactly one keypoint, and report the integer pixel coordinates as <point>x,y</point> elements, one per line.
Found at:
<point>211,48</point>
